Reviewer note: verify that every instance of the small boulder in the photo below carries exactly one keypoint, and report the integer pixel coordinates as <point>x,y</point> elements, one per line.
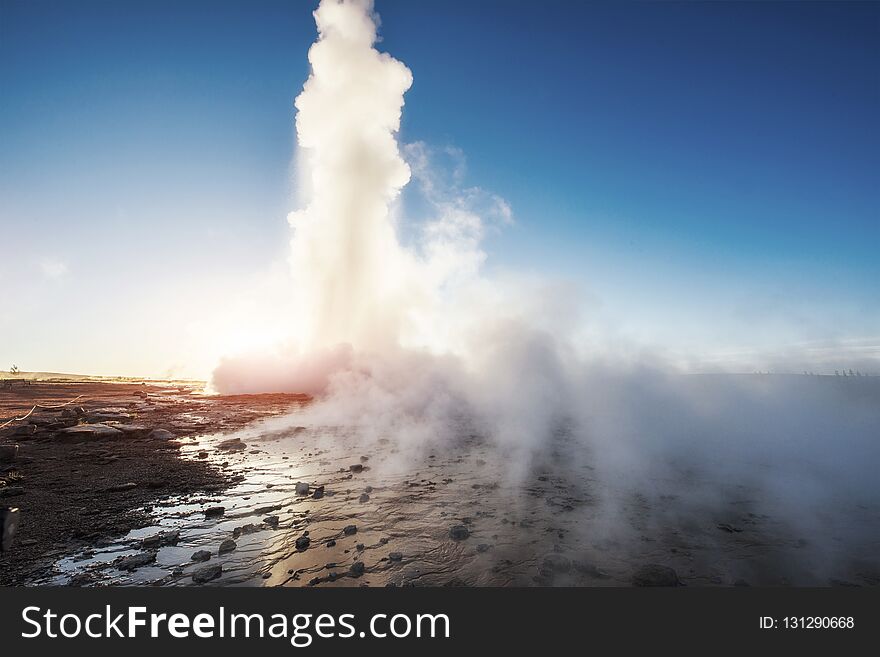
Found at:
<point>364,498</point>
<point>357,569</point>
<point>207,573</point>
<point>227,546</point>
<point>272,521</point>
<point>161,539</point>
<point>319,493</point>
<point>459,532</point>
<point>348,530</point>
<point>214,511</point>
<point>201,556</point>
<point>357,467</point>
<point>302,543</point>
<point>161,434</point>
<point>395,556</point>
<point>302,488</point>
<point>135,561</point>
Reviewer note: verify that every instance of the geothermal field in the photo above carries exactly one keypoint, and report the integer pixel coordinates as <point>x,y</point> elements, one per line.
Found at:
<point>418,416</point>
<point>158,484</point>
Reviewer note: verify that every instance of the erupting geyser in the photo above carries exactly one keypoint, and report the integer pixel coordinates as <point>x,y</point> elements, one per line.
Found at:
<point>357,290</point>
<point>349,269</point>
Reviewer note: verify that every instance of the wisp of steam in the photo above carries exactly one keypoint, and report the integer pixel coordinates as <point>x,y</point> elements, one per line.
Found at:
<point>413,343</point>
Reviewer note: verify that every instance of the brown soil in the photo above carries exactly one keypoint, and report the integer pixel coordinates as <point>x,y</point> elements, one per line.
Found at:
<point>77,494</point>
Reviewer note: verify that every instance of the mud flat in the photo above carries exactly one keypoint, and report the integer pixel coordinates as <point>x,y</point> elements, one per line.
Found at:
<point>88,472</point>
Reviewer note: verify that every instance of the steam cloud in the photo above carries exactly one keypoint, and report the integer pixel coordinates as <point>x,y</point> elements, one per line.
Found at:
<point>414,343</point>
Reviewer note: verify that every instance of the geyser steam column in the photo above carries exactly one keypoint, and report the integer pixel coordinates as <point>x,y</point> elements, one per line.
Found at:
<point>349,268</point>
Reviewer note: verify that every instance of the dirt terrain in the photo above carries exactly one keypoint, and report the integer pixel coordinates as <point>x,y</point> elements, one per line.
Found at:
<point>88,471</point>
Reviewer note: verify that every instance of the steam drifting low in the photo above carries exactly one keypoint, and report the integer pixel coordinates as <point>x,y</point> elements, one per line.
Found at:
<point>415,344</point>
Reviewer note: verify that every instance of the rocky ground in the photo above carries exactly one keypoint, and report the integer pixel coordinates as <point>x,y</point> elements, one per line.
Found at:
<point>88,472</point>
<point>160,485</point>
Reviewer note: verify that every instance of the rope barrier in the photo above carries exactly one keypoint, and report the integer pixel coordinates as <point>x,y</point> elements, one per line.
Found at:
<point>35,407</point>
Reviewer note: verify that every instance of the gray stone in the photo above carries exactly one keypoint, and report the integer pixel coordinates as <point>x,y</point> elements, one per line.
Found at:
<point>201,555</point>
<point>364,498</point>
<point>357,569</point>
<point>319,493</point>
<point>227,546</point>
<point>395,556</point>
<point>348,530</point>
<point>233,444</point>
<point>215,511</point>
<point>357,467</point>
<point>207,573</point>
<point>302,543</point>
<point>302,488</point>
<point>135,561</point>
<point>87,432</point>
<point>161,539</point>
<point>161,434</point>
<point>272,521</point>
<point>459,532</point>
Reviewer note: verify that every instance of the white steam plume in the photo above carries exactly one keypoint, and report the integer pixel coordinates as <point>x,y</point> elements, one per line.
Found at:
<point>416,345</point>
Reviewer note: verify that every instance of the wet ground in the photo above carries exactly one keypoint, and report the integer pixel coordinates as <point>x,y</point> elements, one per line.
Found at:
<point>316,506</point>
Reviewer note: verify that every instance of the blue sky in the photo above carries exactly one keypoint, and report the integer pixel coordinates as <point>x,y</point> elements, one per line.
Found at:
<point>707,173</point>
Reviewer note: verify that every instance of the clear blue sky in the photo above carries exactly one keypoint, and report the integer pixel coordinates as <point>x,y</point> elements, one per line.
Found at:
<point>706,172</point>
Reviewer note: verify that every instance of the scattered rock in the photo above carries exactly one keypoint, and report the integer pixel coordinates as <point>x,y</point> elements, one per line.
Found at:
<point>86,432</point>
<point>161,434</point>
<point>202,454</point>
<point>357,569</point>
<point>215,511</point>
<point>227,546</point>
<point>364,498</point>
<point>359,547</point>
<point>348,530</point>
<point>161,539</point>
<point>201,555</point>
<point>368,489</point>
<point>135,561</point>
<point>331,543</point>
<point>302,543</point>
<point>357,467</point>
<point>260,510</point>
<point>272,521</point>
<point>302,488</point>
<point>395,556</point>
<point>655,575</point>
<point>459,532</point>
<point>319,493</point>
<point>233,444</point>
<point>206,574</point>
